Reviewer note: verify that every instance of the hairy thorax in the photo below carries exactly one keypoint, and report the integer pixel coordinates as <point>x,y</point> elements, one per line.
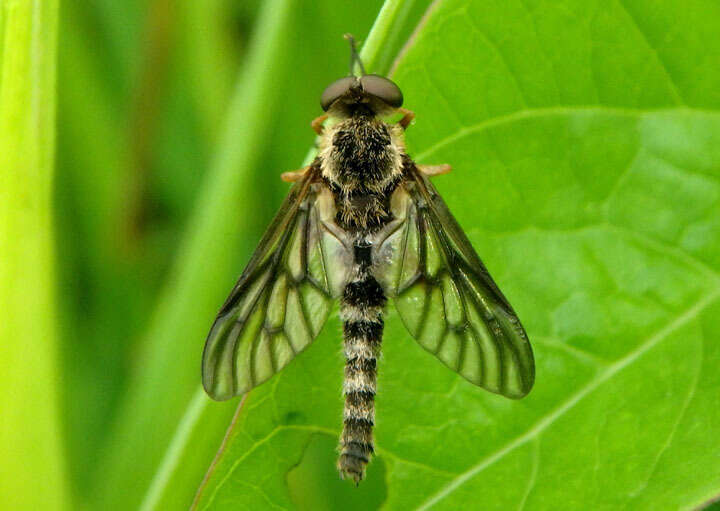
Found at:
<point>361,160</point>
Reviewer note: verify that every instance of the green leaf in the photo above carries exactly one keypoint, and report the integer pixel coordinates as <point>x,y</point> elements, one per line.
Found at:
<point>32,471</point>
<point>585,144</point>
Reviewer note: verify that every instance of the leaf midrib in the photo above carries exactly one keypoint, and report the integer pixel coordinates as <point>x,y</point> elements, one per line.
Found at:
<point>531,113</point>
<point>663,333</point>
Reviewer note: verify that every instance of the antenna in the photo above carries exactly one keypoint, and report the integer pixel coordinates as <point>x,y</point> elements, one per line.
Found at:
<point>354,56</point>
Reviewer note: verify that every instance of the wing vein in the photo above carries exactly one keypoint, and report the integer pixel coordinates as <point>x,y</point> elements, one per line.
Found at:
<point>489,346</point>
<point>249,325</point>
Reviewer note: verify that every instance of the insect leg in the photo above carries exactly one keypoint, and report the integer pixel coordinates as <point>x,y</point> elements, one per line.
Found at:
<point>408,116</point>
<point>434,170</point>
<point>294,175</point>
<point>316,123</point>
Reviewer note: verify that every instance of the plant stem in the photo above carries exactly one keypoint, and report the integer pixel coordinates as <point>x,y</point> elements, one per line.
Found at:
<point>378,49</point>
<point>32,472</point>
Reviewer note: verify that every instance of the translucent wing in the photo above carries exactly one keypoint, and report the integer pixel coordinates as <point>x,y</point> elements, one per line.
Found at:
<point>281,300</point>
<point>446,297</point>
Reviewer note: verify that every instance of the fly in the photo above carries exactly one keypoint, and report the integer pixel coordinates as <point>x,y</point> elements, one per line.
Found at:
<point>362,224</point>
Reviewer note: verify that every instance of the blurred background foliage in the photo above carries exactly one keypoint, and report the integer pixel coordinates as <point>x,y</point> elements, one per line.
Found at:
<point>143,87</point>
<point>140,106</point>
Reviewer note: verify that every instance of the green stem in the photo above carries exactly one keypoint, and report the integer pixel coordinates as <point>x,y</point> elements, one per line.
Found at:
<point>32,472</point>
<point>378,50</point>
<point>175,451</point>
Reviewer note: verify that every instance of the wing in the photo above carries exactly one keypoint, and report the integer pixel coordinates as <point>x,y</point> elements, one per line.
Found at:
<point>283,297</point>
<point>446,297</point>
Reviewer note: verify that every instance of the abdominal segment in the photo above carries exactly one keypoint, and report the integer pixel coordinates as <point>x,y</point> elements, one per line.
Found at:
<point>361,311</point>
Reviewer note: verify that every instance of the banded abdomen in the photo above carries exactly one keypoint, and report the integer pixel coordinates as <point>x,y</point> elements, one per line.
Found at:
<point>361,311</point>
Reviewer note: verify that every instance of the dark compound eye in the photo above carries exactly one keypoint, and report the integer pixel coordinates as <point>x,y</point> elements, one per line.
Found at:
<point>382,88</point>
<point>335,90</point>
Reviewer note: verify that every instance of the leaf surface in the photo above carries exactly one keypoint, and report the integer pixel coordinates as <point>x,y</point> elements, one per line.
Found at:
<point>585,142</point>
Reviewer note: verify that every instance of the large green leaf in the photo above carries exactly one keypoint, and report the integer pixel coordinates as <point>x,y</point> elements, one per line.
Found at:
<point>586,154</point>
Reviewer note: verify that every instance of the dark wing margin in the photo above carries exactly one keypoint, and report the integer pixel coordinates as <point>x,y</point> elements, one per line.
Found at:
<point>282,299</point>
<point>446,297</point>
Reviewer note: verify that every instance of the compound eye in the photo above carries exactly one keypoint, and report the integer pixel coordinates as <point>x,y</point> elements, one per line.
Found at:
<point>335,90</point>
<point>382,88</point>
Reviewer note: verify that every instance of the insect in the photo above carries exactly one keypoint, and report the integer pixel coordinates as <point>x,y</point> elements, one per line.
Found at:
<point>362,224</point>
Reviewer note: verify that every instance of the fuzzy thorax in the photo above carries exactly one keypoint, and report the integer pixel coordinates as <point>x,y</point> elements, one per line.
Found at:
<point>361,162</point>
<point>362,152</point>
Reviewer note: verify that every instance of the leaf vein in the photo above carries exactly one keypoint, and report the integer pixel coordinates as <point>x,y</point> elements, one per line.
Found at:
<point>533,473</point>
<point>493,45</point>
<point>692,389</point>
<point>673,86</point>
<point>532,113</point>
<point>661,246</point>
<point>539,427</point>
<point>278,429</point>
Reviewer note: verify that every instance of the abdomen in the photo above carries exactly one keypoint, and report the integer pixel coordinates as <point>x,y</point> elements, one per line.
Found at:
<point>361,310</point>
